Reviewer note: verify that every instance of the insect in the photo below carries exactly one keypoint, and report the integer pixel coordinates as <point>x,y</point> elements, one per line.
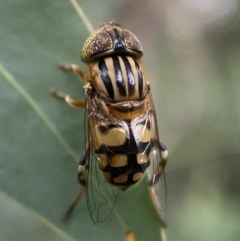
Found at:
<point>123,142</point>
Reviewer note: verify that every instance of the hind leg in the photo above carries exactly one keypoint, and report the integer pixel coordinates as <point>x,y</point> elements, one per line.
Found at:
<point>81,180</point>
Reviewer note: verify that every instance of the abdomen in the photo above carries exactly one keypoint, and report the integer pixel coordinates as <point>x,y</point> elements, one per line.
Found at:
<point>122,151</point>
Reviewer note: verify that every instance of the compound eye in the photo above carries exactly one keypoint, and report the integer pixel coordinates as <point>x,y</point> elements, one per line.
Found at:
<point>97,43</point>
<point>110,39</point>
<point>132,42</point>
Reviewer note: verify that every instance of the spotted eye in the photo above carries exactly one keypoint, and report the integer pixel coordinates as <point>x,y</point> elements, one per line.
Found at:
<point>109,39</point>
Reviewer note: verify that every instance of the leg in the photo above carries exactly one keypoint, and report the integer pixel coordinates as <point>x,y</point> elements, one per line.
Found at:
<point>70,209</point>
<point>82,162</point>
<point>81,179</point>
<point>130,236</point>
<point>68,99</point>
<point>159,165</point>
<point>164,156</point>
<point>72,67</point>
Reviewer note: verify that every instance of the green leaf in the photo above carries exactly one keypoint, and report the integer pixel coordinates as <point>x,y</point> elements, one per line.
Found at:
<point>41,137</point>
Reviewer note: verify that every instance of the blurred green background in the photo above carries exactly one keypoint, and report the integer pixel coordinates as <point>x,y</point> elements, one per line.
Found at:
<point>192,56</point>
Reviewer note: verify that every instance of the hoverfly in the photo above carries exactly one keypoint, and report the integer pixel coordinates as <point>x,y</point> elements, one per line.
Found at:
<point>123,142</point>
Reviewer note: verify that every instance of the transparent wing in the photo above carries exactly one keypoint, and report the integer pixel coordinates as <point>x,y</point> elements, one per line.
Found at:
<point>157,184</point>
<point>147,139</point>
<point>155,171</point>
<point>101,195</point>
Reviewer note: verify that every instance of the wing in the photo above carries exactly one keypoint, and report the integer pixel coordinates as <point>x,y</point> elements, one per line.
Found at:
<point>147,139</point>
<point>101,195</point>
<point>155,171</point>
<point>157,184</point>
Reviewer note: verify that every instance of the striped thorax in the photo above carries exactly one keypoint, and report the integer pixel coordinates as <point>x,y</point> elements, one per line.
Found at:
<point>119,78</point>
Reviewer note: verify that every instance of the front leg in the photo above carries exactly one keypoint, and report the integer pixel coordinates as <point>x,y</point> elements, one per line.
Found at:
<point>68,99</point>
<point>72,67</point>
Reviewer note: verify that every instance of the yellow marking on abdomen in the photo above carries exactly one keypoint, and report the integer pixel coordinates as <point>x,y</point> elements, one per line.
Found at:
<point>142,133</point>
<point>112,137</point>
<point>142,158</point>
<point>111,160</point>
<point>118,161</point>
<point>137,176</point>
<point>121,179</point>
